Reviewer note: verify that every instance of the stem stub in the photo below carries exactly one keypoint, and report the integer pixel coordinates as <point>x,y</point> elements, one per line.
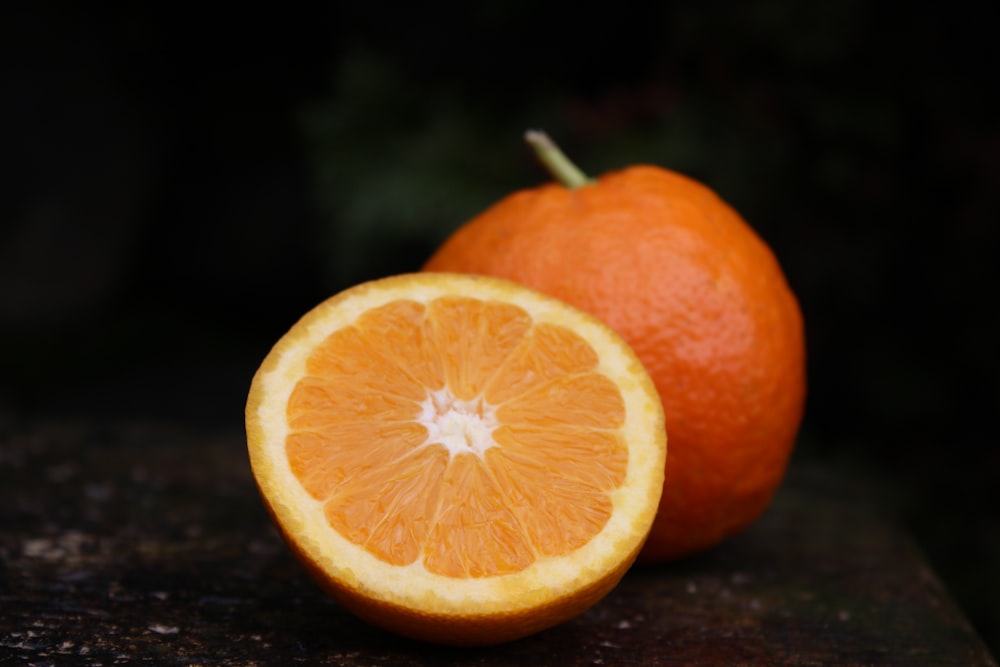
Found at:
<point>560,166</point>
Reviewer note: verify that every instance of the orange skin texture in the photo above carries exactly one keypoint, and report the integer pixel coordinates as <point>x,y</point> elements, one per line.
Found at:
<point>701,299</point>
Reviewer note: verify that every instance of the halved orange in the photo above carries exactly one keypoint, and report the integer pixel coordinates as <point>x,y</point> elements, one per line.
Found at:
<point>458,459</point>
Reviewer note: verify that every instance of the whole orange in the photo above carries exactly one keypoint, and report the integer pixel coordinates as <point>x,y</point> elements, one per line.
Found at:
<point>701,299</point>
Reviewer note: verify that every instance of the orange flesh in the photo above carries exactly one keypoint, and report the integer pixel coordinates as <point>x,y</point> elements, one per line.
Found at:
<point>520,456</point>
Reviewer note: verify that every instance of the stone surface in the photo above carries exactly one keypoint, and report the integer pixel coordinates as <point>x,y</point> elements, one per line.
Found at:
<point>138,542</point>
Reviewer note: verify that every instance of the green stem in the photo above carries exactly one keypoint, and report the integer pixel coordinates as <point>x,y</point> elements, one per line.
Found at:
<point>560,166</point>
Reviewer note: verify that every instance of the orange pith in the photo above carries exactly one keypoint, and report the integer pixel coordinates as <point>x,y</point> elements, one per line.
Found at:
<point>460,452</point>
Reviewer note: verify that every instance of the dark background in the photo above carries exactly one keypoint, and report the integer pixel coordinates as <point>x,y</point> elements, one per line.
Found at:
<point>179,186</point>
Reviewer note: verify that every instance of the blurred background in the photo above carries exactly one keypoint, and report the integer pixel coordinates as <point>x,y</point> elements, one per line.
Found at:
<point>180,186</point>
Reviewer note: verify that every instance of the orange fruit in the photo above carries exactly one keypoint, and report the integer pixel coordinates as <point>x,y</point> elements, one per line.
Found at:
<point>457,459</point>
<point>700,298</point>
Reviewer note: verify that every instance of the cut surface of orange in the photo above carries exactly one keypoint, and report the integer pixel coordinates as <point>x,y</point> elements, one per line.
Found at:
<point>459,459</point>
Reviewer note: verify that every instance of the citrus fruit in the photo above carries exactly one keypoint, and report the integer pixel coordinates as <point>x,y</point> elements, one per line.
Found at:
<point>701,299</point>
<point>458,459</point>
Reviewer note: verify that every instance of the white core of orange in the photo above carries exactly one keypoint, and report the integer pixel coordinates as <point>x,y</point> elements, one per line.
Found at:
<point>463,427</point>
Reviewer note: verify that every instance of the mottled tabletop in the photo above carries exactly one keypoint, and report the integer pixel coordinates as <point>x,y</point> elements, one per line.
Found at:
<point>136,542</point>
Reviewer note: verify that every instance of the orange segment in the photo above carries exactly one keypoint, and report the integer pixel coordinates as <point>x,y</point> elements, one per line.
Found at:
<point>476,533</point>
<point>389,510</point>
<point>590,400</point>
<point>322,459</point>
<point>400,328</point>
<point>548,351</point>
<point>355,355</point>
<point>321,401</point>
<point>470,360</point>
<point>596,458</point>
<point>458,459</point>
<point>557,513</point>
